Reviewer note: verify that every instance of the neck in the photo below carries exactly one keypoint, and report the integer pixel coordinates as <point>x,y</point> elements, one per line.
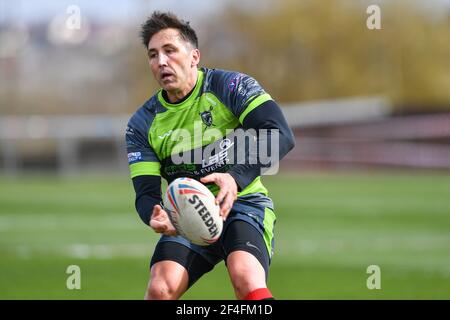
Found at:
<point>179,94</point>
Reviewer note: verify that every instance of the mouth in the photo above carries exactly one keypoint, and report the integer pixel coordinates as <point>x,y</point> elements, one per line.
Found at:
<point>166,76</point>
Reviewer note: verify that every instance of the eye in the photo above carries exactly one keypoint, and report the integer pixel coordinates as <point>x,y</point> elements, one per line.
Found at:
<point>170,50</point>
<point>152,55</point>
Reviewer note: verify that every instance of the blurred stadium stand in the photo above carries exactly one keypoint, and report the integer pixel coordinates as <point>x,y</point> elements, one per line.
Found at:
<point>361,133</point>
<point>410,141</point>
<point>336,111</point>
<point>68,144</point>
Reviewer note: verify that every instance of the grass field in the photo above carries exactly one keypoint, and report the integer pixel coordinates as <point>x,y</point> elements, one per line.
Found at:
<point>330,228</point>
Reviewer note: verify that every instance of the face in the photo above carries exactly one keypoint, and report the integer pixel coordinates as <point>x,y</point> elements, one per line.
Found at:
<point>173,61</point>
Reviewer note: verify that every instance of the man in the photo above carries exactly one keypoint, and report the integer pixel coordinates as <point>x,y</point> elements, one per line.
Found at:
<point>196,110</point>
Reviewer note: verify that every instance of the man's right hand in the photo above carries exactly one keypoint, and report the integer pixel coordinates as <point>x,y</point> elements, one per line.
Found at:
<point>160,222</point>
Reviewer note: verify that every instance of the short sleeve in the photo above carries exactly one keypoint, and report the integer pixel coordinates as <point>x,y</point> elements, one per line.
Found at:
<point>142,159</point>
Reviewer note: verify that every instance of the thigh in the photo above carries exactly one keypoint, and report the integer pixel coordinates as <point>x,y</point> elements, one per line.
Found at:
<point>262,218</point>
<point>195,265</point>
<point>243,236</point>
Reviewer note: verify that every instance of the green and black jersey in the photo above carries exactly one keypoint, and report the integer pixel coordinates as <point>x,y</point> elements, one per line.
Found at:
<point>199,136</point>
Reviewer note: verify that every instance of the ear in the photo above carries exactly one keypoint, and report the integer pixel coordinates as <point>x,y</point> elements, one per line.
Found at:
<point>195,57</point>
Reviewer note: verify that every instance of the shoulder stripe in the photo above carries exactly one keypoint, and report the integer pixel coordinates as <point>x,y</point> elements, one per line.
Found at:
<point>255,103</point>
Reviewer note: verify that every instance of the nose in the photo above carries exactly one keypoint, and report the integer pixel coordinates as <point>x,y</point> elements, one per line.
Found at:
<point>162,60</point>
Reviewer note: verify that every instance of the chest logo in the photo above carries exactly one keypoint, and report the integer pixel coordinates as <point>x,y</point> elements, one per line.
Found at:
<point>207,117</point>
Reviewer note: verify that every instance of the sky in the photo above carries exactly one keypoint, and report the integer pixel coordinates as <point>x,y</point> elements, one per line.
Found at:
<point>44,10</point>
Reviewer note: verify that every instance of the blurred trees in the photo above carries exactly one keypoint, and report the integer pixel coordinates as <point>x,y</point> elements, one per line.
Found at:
<point>141,85</point>
<point>302,50</point>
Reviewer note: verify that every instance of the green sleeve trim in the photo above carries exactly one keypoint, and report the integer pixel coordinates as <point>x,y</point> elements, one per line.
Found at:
<point>144,169</point>
<point>255,103</point>
<point>255,187</point>
<point>269,224</point>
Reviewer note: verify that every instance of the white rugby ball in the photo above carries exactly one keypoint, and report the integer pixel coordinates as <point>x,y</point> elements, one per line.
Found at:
<point>193,212</point>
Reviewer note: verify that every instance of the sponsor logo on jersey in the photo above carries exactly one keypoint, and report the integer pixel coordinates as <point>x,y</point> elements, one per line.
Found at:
<point>168,133</point>
<point>220,158</point>
<point>225,144</point>
<point>134,156</point>
<point>129,131</point>
<point>233,84</point>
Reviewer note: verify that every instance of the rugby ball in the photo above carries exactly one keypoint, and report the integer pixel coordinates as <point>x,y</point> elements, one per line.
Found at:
<point>193,212</point>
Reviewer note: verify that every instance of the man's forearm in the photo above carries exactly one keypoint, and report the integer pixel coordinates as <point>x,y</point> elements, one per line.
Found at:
<point>144,206</point>
<point>148,194</point>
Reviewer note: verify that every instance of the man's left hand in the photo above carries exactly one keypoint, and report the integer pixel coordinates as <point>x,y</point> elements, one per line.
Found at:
<point>228,191</point>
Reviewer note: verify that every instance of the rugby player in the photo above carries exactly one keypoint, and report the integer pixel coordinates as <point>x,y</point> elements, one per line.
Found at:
<point>204,111</point>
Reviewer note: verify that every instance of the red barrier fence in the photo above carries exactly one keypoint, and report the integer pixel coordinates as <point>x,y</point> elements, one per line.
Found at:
<point>412,141</point>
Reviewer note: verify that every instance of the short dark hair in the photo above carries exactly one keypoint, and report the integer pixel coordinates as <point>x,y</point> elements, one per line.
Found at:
<point>163,20</point>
